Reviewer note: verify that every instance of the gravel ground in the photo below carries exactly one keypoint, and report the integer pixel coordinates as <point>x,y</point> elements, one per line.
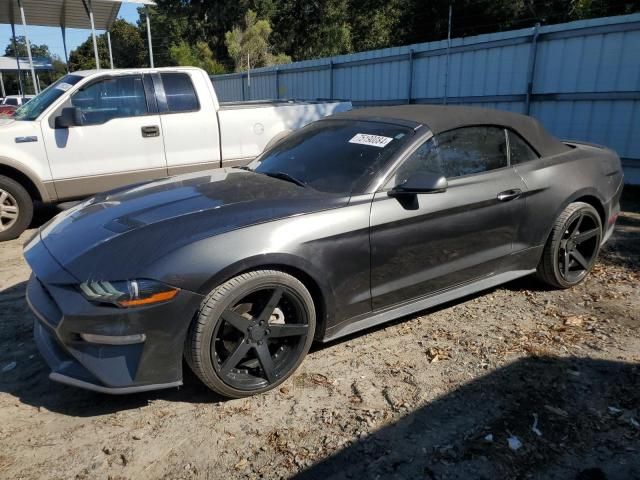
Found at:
<point>517,382</point>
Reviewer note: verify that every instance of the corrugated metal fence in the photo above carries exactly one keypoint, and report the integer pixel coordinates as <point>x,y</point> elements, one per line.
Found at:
<point>581,79</point>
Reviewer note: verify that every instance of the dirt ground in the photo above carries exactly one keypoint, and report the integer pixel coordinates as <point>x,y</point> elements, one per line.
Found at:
<point>516,382</point>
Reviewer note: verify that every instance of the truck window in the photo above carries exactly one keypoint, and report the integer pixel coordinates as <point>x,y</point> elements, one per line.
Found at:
<point>32,109</point>
<point>181,96</point>
<point>109,98</point>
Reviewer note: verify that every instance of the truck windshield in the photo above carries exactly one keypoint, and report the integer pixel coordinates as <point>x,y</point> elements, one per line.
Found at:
<point>336,156</point>
<point>38,104</point>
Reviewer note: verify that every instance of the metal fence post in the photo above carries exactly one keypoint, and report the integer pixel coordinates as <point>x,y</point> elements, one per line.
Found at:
<point>330,79</point>
<point>532,68</point>
<point>410,81</point>
<point>277,83</point>
<point>242,83</point>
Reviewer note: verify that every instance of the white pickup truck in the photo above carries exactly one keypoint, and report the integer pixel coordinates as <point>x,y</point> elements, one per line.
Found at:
<point>96,130</point>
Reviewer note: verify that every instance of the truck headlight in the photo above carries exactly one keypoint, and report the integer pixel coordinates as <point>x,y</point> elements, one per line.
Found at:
<point>129,293</point>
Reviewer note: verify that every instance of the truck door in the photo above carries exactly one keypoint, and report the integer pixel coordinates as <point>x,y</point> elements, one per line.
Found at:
<point>189,121</point>
<point>118,141</point>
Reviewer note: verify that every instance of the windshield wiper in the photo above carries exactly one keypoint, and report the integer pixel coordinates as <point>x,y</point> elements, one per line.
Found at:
<point>244,167</point>
<point>285,176</point>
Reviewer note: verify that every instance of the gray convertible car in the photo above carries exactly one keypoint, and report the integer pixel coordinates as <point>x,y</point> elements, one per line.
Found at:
<point>352,221</point>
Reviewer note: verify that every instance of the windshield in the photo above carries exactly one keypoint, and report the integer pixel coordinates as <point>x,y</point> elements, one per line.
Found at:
<point>38,104</point>
<point>336,156</point>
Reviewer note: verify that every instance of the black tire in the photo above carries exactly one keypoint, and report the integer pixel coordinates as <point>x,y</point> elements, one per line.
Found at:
<point>214,342</point>
<point>572,247</point>
<point>14,199</point>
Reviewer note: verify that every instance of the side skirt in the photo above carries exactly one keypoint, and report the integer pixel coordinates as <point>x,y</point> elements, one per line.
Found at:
<point>376,318</point>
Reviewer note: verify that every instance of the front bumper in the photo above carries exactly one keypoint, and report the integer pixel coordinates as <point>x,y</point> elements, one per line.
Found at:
<point>63,314</point>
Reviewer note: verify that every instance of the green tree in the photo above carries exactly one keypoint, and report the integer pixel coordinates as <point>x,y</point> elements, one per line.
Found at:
<point>127,44</point>
<point>199,55</point>
<point>308,29</point>
<point>249,45</point>
<point>40,51</point>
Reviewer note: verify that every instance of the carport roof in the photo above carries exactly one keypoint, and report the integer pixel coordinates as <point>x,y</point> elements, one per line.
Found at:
<point>67,13</point>
<point>9,64</point>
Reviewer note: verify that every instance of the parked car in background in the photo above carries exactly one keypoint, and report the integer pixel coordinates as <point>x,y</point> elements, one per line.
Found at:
<point>96,130</point>
<point>354,220</point>
<point>10,104</point>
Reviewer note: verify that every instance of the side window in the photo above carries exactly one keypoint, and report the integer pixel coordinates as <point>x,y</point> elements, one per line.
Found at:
<point>11,101</point>
<point>424,159</point>
<point>469,150</point>
<point>519,150</point>
<point>181,96</point>
<point>110,98</point>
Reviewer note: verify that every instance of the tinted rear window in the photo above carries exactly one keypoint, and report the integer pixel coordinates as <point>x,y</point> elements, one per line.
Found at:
<point>338,156</point>
<point>181,96</point>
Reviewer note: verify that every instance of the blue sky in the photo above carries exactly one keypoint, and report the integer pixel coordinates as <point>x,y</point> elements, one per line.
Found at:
<point>53,37</point>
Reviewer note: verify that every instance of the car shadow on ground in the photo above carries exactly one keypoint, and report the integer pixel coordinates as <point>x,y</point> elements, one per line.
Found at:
<point>586,428</point>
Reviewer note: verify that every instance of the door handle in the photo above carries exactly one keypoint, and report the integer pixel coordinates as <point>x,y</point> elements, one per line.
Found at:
<point>509,195</point>
<point>150,131</point>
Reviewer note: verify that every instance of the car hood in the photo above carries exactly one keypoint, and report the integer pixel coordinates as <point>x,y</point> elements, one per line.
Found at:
<point>118,233</point>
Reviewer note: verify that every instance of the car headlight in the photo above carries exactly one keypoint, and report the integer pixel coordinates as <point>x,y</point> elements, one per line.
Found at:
<point>129,293</point>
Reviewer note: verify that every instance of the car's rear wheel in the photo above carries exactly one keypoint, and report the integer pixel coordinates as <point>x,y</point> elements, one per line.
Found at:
<point>251,333</point>
<point>16,209</point>
<point>572,247</point>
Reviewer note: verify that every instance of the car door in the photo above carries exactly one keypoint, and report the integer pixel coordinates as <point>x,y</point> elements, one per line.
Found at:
<point>118,142</point>
<point>440,240</point>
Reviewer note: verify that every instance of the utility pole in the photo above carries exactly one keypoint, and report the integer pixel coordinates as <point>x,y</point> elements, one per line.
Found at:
<point>249,75</point>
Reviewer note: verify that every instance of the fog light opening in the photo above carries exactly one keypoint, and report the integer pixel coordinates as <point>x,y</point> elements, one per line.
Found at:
<point>113,339</point>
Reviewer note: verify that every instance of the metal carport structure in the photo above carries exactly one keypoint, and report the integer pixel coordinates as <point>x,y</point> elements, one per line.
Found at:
<point>11,64</point>
<point>93,14</point>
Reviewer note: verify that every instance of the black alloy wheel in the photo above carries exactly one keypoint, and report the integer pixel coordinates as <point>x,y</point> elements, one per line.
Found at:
<point>573,246</point>
<point>256,328</point>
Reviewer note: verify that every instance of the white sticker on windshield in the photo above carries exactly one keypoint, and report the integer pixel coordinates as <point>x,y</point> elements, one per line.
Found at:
<point>371,140</point>
<point>64,86</point>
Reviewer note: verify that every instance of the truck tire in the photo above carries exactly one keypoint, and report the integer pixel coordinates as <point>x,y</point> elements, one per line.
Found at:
<point>16,209</point>
<point>251,333</point>
<point>572,247</point>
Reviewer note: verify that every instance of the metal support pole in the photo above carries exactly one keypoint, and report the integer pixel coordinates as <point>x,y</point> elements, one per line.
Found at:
<point>330,79</point>
<point>149,38</point>
<point>38,82</point>
<point>410,79</point>
<point>110,51</point>
<point>2,90</point>
<point>249,76</point>
<point>446,72</point>
<point>532,68</point>
<point>242,83</point>
<point>15,50</point>
<point>63,21</point>
<point>89,9</point>
<point>26,38</point>
<point>277,83</point>
<point>64,46</point>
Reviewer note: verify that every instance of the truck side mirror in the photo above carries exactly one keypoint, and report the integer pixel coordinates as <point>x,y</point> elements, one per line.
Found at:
<point>69,117</point>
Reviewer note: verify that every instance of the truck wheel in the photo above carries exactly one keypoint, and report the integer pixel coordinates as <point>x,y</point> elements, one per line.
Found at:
<point>16,209</point>
<point>251,333</point>
<point>572,247</point>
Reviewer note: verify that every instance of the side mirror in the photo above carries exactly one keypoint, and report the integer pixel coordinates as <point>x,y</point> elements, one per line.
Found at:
<point>421,182</point>
<point>69,117</point>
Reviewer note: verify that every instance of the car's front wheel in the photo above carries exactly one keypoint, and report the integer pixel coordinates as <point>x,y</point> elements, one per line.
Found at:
<point>251,333</point>
<point>572,247</point>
